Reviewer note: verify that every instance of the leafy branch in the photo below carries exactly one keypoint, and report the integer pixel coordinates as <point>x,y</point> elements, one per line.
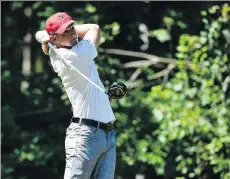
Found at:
<point>149,60</point>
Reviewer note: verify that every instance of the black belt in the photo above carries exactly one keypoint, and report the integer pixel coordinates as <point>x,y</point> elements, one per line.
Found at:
<point>105,126</point>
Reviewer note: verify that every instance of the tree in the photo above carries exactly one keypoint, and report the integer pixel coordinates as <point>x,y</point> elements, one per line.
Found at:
<point>158,123</point>
<point>189,116</point>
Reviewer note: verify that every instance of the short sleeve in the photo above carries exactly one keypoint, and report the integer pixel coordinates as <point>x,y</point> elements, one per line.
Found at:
<point>87,50</point>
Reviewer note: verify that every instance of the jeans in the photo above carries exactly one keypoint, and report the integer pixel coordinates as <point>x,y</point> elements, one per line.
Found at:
<point>90,152</point>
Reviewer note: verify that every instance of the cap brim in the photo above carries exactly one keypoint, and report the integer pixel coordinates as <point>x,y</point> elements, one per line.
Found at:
<point>64,26</point>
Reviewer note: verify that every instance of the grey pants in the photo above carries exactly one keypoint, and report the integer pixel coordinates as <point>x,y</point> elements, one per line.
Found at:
<point>90,152</point>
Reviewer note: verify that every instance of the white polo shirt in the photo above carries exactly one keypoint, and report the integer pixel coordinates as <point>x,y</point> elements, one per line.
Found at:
<point>87,101</point>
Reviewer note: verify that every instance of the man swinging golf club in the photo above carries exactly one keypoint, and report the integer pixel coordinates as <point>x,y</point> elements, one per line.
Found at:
<point>90,139</point>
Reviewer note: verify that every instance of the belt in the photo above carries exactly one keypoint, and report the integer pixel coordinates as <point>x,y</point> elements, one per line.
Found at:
<point>105,126</point>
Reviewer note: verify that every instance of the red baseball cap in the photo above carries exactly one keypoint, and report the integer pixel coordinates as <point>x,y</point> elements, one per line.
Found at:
<point>58,22</point>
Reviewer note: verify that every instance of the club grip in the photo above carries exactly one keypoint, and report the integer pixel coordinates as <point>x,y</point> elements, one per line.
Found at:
<point>51,46</point>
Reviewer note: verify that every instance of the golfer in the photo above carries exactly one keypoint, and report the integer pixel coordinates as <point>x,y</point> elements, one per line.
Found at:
<point>90,139</point>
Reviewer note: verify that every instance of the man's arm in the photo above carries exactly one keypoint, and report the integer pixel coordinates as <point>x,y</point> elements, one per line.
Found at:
<point>89,32</point>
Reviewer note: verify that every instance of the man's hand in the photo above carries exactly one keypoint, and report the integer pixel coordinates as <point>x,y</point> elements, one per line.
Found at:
<point>43,38</point>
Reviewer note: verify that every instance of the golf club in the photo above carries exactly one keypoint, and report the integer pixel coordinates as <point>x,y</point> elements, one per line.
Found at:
<point>63,60</point>
<point>116,91</point>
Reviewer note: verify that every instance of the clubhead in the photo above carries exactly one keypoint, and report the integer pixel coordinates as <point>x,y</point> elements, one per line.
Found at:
<point>117,90</point>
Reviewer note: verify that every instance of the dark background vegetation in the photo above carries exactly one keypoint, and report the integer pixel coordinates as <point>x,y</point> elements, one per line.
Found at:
<point>174,121</point>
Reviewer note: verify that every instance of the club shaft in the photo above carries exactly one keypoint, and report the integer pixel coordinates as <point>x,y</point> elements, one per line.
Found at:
<point>64,61</point>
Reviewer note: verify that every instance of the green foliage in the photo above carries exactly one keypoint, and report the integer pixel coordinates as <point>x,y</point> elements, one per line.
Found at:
<point>170,21</point>
<point>161,34</point>
<point>176,130</point>
<point>91,9</point>
<point>109,31</point>
<point>192,112</point>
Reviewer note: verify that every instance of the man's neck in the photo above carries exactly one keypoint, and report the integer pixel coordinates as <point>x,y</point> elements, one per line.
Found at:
<point>66,46</point>
<point>63,46</point>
